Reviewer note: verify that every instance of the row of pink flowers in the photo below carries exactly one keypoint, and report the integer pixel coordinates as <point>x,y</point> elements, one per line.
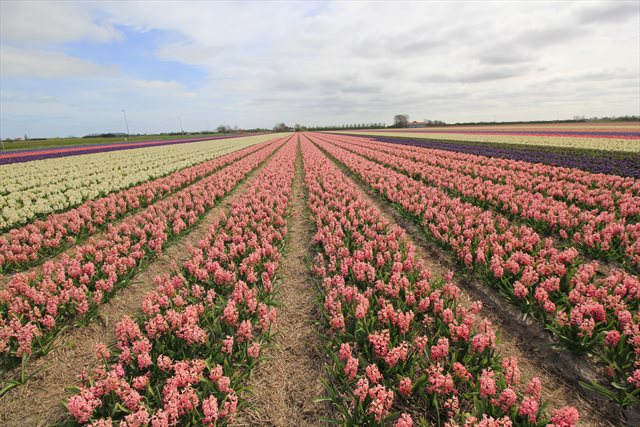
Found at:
<point>203,326</point>
<point>603,192</point>
<point>33,306</point>
<point>582,307</point>
<point>598,233</point>
<point>405,349</point>
<point>23,246</point>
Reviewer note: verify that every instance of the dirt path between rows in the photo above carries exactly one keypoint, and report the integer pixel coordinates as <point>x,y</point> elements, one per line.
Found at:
<point>284,386</point>
<point>44,394</point>
<point>554,390</point>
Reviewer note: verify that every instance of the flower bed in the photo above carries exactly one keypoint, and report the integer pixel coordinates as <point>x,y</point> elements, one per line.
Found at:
<point>186,359</point>
<point>33,189</point>
<point>18,155</point>
<point>595,161</point>
<point>405,349</point>
<point>598,234</point>
<point>606,141</point>
<point>22,247</point>
<point>590,313</point>
<point>33,307</point>
<point>607,193</point>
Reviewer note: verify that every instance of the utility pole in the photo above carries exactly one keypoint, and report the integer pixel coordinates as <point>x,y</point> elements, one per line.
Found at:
<point>124,112</point>
<point>180,120</point>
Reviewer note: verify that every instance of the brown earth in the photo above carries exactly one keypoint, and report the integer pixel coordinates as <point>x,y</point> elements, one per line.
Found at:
<point>284,386</point>
<point>45,393</point>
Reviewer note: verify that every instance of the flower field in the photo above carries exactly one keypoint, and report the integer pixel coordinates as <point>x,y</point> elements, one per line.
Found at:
<point>615,137</point>
<point>398,334</point>
<point>562,288</point>
<point>199,239</point>
<point>49,152</point>
<point>201,329</point>
<point>25,245</point>
<point>33,305</point>
<point>34,189</point>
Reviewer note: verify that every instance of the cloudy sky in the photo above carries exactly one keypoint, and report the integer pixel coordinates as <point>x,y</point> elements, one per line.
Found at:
<point>69,68</point>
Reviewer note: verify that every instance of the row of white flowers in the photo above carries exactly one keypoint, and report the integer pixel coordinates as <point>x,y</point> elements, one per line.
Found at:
<point>609,144</point>
<point>33,189</point>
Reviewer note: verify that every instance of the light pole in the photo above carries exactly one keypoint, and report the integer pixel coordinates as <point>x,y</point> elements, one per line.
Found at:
<point>208,130</point>
<point>180,120</point>
<point>124,112</point>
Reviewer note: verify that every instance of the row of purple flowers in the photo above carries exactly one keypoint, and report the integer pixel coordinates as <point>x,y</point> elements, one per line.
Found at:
<point>588,134</point>
<point>628,165</point>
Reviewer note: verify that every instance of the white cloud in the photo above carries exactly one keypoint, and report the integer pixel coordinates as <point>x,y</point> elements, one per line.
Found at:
<point>48,64</point>
<point>158,84</point>
<point>355,61</point>
<point>608,11</point>
<point>341,62</point>
<point>190,53</point>
<point>164,87</point>
<point>43,22</point>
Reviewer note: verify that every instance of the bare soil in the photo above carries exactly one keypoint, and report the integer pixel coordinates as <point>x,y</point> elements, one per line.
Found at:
<point>283,386</point>
<point>45,393</point>
<point>555,389</point>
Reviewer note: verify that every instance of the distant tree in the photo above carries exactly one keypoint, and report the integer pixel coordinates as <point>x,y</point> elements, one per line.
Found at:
<point>297,127</point>
<point>280,127</point>
<point>222,129</point>
<point>400,120</point>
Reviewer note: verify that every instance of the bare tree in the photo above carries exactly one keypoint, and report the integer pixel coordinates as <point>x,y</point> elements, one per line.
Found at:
<point>280,127</point>
<point>400,120</point>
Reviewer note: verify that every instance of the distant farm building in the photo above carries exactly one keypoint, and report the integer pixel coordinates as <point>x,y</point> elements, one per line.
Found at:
<point>106,135</point>
<point>415,124</point>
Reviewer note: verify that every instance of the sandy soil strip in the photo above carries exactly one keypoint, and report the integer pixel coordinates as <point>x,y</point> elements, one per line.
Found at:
<point>554,389</point>
<point>44,394</point>
<point>284,385</point>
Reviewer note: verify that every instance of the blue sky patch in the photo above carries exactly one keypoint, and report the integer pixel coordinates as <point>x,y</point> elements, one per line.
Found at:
<point>135,55</point>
